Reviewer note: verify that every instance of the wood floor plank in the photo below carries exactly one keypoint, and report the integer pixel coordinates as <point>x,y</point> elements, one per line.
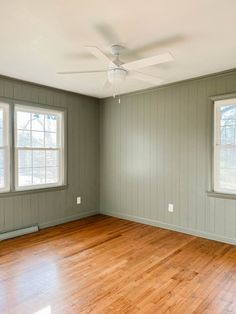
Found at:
<point>107,265</point>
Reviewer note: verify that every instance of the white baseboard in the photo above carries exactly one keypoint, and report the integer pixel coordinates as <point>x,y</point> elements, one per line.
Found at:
<point>156,223</point>
<point>68,219</point>
<point>18,232</point>
<point>31,229</point>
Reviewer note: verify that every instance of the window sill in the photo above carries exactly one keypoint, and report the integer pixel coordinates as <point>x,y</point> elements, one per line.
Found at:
<point>221,195</point>
<point>33,191</point>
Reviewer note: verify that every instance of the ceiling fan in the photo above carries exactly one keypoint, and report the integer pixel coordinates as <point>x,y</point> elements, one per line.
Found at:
<point>117,70</point>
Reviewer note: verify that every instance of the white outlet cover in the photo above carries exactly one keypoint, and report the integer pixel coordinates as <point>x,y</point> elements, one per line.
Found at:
<point>170,208</point>
<point>78,200</point>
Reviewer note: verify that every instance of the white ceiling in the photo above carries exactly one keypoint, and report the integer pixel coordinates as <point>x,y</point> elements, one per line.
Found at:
<point>40,38</point>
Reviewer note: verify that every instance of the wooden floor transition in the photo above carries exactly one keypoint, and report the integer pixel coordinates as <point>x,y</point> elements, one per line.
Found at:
<point>108,265</point>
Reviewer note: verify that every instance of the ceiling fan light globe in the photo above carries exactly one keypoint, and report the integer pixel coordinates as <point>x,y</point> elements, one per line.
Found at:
<point>117,75</point>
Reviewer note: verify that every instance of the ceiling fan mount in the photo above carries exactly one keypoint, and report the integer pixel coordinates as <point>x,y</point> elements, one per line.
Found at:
<point>117,50</point>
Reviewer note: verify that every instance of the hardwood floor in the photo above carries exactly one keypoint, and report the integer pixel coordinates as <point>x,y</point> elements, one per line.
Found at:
<point>107,265</point>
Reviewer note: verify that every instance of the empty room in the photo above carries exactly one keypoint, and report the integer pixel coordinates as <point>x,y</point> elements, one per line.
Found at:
<point>117,157</point>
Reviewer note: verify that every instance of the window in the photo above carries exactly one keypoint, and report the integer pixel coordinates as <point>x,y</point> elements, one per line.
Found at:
<point>39,147</point>
<point>225,146</point>
<point>4,148</point>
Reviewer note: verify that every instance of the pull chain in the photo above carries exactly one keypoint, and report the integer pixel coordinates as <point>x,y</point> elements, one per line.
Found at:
<point>116,89</point>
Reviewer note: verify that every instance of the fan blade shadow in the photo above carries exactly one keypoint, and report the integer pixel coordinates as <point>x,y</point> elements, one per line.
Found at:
<point>139,52</point>
<point>108,33</point>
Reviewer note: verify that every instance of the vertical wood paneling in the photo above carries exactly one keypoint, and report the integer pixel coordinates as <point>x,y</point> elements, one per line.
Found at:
<point>184,122</point>
<point>220,215</point>
<point>230,218</point>
<point>156,149</point>
<point>176,152</point>
<point>160,157</point>
<point>83,160</point>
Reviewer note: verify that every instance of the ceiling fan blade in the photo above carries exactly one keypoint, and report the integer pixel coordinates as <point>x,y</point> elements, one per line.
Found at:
<point>142,63</point>
<point>145,77</point>
<point>100,55</point>
<point>82,72</point>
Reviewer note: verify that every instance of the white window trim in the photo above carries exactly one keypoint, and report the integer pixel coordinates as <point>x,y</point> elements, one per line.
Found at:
<point>6,146</point>
<point>61,149</point>
<point>217,145</point>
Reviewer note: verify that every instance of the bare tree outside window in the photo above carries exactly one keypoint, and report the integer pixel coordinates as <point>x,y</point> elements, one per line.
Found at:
<point>225,146</point>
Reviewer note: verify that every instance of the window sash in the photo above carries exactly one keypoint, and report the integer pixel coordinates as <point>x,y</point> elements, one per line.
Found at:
<point>43,185</point>
<point>218,146</point>
<point>60,122</point>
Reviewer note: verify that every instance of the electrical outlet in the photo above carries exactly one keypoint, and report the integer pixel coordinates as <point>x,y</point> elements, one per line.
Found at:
<point>78,200</point>
<point>170,208</point>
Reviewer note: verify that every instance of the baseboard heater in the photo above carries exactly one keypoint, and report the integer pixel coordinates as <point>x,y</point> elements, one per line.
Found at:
<point>18,232</point>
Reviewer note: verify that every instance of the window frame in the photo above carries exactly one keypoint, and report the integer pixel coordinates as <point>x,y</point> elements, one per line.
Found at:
<point>6,145</point>
<point>11,191</point>
<point>218,103</point>
<point>62,156</point>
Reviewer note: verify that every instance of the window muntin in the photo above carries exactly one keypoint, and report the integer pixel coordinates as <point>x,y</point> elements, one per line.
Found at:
<point>4,148</point>
<point>39,148</point>
<point>225,146</point>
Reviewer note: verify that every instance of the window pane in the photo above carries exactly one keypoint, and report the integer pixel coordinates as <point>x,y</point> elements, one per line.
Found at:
<point>228,114</point>
<point>2,166</point>
<point>52,158</point>
<point>228,179</point>
<point>25,158</point>
<point>227,158</point>
<point>228,124</point>
<point>228,135</point>
<point>1,118</point>
<point>38,176</point>
<point>50,140</point>
<point>25,176</point>
<point>38,158</point>
<point>1,127</point>
<point>52,175</point>
<point>37,139</point>
<point>37,122</point>
<point>1,137</point>
<point>23,139</point>
<point>23,120</point>
<point>2,153</point>
<point>2,175</point>
<point>50,123</point>
<point>227,173</point>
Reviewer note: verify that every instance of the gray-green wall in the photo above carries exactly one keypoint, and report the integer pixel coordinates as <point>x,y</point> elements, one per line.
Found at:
<point>48,208</point>
<point>156,149</point>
